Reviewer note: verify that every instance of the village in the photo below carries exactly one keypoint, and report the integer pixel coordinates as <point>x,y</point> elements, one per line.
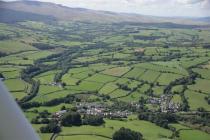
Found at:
<point>165,103</point>
<point>96,109</point>
<point>100,109</point>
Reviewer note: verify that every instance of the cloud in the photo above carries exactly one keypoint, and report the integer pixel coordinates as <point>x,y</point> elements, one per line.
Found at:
<point>190,1</point>
<point>148,2</point>
<point>206,4</point>
<point>162,2</point>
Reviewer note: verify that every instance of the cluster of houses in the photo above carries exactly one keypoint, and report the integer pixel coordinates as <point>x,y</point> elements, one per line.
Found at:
<point>170,107</point>
<point>101,110</point>
<point>57,115</point>
<point>165,103</point>
<point>95,109</point>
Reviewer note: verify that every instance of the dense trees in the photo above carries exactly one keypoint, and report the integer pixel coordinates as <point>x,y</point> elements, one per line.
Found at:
<point>119,105</point>
<point>1,75</point>
<point>207,98</point>
<point>68,99</point>
<point>45,121</point>
<point>63,107</point>
<point>71,118</point>
<point>43,46</point>
<point>201,117</point>
<point>93,120</point>
<point>42,118</point>
<point>160,119</point>
<point>2,54</point>
<point>28,105</point>
<point>142,103</point>
<point>33,92</point>
<point>52,127</point>
<point>44,114</point>
<point>206,46</point>
<point>185,105</point>
<point>4,37</point>
<point>127,134</point>
<point>35,120</point>
<point>124,87</point>
<point>140,37</point>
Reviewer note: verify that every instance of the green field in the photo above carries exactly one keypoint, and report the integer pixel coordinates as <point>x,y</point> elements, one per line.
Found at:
<point>150,76</point>
<point>118,71</point>
<point>166,78</point>
<point>196,100</point>
<point>203,72</point>
<point>193,135</point>
<point>108,88</point>
<point>112,125</point>
<point>12,46</point>
<point>135,73</point>
<point>201,85</point>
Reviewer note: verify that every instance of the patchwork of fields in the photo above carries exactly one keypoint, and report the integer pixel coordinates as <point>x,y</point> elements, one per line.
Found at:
<point>108,64</point>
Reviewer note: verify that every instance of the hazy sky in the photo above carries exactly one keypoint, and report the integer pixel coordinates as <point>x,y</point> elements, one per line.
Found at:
<point>191,8</point>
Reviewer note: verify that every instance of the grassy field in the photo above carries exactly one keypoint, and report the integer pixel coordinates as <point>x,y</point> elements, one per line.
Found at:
<point>187,133</point>
<point>150,76</point>
<point>101,78</point>
<point>158,90</point>
<point>118,71</point>
<point>108,88</point>
<point>177,99</point>
<point>83,75</point>
<point>51,109</point>
<point>46,77</point>
<point>88,86</point>
<point>193,135</point>
<point>18,95</point>
<point>81,137</point>
<point>53,95</point>
<point>201,85</point>
<point>69,80</point>
<point>205,73</point>
<point>16,84</point>
<point>135,73</point>
<point>141,126</point>
<point>196,100</point>
<point>177,89</point>
<point>112,125</point>
<point>12,46</point>
<point>11,74</point>
<point>118,93</point>
<point>166,78</point>
<point>133,97</point>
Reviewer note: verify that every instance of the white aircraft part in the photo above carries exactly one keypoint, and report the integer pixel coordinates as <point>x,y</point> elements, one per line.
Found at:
<point>13,124</point>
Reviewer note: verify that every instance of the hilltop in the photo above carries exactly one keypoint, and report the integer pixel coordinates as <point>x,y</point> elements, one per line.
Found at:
<point>51,11</point>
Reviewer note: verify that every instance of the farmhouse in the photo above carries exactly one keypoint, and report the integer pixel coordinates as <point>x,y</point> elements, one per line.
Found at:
<point>59,114</point>
<point>56,84</point>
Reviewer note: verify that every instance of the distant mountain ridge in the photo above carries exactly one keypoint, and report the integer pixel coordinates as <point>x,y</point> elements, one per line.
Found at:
<point>60,12</point>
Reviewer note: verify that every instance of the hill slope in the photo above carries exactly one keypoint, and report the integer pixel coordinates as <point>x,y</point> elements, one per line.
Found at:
<point>60,12</point>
